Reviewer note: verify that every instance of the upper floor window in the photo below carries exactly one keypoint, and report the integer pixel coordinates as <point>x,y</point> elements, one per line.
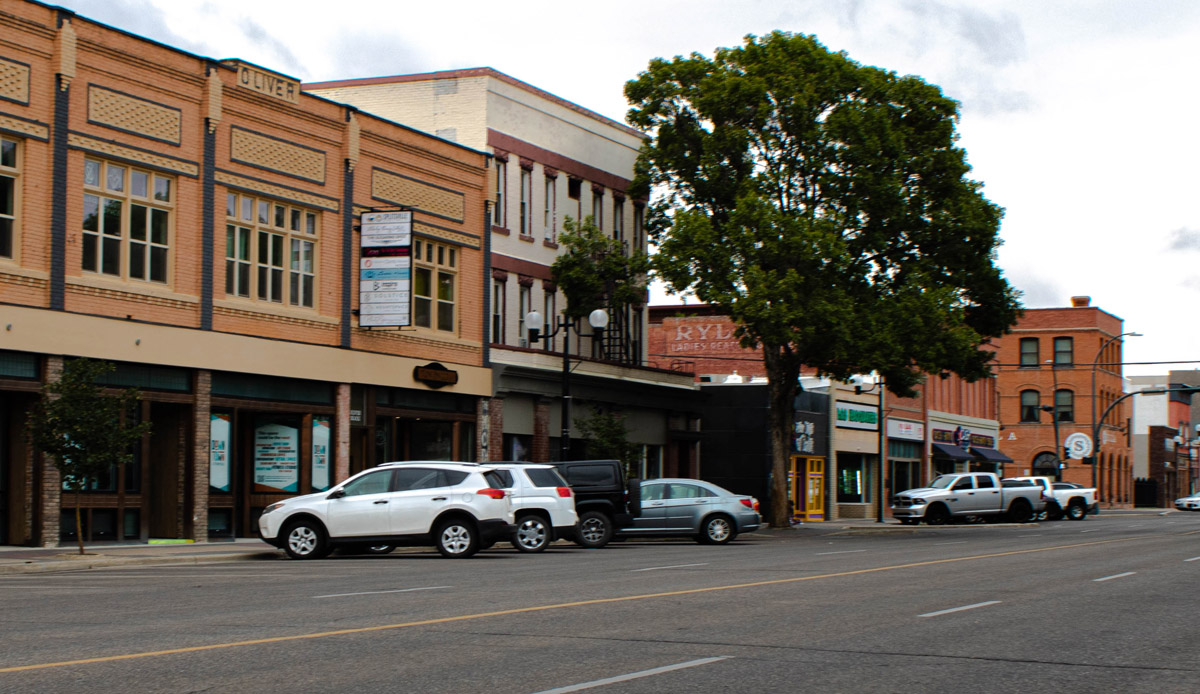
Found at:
<point>639,216</point>
<point>618,219</point>
<point>1030,406</point>
<point>498,311</point>
<point>1064,351</point>
<point>550,211</point>
<point>548,311</point>
<point>526,206</point>
<point>270,250</point>
<point>126,221</point>
<point>9,170</point>
<point>435,274</point>
<point>1064,405</point>
<point>598,208</point>
<point>1029,352</point>
<point>524,306</point>
<point>501,184</point>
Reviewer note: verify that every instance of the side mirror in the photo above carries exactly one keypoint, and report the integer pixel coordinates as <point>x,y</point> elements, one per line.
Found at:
<point>336,494</point>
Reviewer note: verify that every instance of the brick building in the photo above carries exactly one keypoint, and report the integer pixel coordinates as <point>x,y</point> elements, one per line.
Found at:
<point>1046,368</point>
<point>835,468</point>
<point>195,222</point>
<point>553,159</point>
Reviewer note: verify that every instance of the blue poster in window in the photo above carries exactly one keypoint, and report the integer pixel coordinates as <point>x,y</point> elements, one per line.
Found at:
<point>320,454</point>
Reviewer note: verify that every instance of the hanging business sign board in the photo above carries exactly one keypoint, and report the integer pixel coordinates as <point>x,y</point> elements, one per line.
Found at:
<point>385,270</point>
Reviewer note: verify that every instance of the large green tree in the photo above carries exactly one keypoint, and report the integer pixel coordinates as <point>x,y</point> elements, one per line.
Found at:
<point>825,205</point>
<point>85,431</point>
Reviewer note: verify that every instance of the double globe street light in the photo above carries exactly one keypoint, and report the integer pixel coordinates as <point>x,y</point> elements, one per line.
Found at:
<point>598,319</point>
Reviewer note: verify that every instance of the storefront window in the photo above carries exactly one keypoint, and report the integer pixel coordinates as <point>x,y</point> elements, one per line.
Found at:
<point>432,441</point>
<point>320,454</point>
<point>853,483</point>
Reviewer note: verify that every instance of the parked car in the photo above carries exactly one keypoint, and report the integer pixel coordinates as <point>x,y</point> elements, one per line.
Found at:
<point>604,499</point>
<point>543,503</point>
<point>693,508</point>
<point>1188,503</point>
<point>1065,499</point>
<point>454,507</point>
<point>969,495</point>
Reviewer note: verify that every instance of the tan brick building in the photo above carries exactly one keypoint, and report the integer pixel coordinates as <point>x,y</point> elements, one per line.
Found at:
<point>197,223</point>
<point>1063,366</point>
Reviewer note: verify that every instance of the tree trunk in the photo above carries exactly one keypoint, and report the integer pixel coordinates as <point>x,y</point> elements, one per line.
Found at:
<point>78,523</point>
<point>782,385</point>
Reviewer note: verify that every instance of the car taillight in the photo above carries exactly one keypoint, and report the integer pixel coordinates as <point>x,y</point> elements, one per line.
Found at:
<point>564,492</point>
<point>750,503</point>
<point>493,493</point>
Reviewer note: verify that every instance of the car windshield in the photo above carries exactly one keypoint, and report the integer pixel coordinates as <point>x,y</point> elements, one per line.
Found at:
<point>942,482</point>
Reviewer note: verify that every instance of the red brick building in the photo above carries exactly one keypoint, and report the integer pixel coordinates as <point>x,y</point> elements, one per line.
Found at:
<point>1045,370</point>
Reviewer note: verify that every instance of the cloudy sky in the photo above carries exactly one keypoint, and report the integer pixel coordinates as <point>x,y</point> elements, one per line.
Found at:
<point>1080,118</point>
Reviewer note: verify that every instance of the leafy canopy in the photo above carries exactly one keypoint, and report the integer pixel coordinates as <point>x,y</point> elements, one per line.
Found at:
<point>825,205</point>
<point>597,271</point>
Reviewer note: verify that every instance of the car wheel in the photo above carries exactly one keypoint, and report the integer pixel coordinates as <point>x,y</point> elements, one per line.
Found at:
<point>379,549</point>
<point>305,539</point>
<point>456,539</point>
<point>533,534</point>
<point>595,530</point>
<point>937,515</point>
<point>1076,511</point>
<point>1020,511</point>
<point>717,530</point>
<point>1053,511</point>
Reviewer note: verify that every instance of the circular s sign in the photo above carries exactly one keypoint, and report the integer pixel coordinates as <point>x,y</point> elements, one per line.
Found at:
<point>1079,445</point>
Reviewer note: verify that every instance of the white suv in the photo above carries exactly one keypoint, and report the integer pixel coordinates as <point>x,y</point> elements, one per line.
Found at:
<point>456,507</point>
<point>543,502</point>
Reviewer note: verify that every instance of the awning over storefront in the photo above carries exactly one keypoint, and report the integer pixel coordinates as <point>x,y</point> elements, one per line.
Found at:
<point>990,455</point>
<point>952,452</point>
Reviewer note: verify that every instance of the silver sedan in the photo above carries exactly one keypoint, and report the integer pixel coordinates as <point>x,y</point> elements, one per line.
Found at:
<point>693,508</point>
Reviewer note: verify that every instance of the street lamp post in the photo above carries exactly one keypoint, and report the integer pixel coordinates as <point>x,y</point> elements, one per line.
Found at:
<point>1096,441</point>
<point>1053,410</point>
<point>598,319</point>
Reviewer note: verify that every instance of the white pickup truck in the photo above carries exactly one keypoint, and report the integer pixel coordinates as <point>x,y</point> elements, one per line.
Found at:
<point>967,494</point>
<point>1066,499</point>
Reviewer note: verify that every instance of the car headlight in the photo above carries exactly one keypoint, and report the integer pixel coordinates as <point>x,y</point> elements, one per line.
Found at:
<point>272,507</point>
<point>918,502</point>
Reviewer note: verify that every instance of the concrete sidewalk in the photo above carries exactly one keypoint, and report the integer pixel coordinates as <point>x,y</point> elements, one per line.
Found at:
<point>21,560</point>
<point>17,560</point>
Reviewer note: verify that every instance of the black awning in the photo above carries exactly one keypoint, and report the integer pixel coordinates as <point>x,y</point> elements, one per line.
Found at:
<point>991,455</point>
<point>951,452</point>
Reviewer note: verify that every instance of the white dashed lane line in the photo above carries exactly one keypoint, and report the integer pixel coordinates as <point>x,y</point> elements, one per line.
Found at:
<point>848,551</point>
<point>960,609</point>
<point>675,566</point>
<point>380,592</point>
<point>632,676</point>
<point>1109,578</point>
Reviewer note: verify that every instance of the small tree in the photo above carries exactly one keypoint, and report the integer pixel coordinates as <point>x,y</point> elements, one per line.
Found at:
<point>597,271</point>
<point>607,438</point>
<point>85,432</point>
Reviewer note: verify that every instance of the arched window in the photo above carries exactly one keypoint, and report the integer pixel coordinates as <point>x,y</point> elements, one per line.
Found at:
<point>1030,400</point>
<point>1064,405</point>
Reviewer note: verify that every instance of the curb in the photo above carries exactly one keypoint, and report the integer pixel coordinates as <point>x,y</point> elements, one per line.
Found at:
<point>84,563</point>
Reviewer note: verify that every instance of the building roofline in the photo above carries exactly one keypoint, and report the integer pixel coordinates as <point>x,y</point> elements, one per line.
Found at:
<point>475,72</point>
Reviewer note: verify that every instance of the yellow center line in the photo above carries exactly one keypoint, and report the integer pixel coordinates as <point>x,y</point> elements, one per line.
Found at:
<point>541,608</point>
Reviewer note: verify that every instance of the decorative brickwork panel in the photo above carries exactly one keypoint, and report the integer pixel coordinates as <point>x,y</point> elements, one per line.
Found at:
<point>276,155</point>
<point>289,194</point>
<point>14,81</point>
<point>134,155</point>
<point>133,115</point>
<point>25,127</point>
<point>401,190</point>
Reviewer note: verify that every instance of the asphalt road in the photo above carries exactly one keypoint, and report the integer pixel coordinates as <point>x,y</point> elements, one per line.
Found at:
<point>1108,604</point>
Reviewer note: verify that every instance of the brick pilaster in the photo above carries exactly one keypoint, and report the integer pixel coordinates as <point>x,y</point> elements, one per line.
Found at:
<point>341,461</point>
<point>48,526</point>
<point>496,433</point>
<point>201,450</point>
<point>541,431</point>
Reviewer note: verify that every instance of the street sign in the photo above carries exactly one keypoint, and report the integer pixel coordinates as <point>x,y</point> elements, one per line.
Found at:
<point>385,270</point>
<point>1079,445</point>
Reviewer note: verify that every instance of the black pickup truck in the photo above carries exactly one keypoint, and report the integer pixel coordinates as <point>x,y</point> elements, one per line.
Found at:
<point>604,499</point>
